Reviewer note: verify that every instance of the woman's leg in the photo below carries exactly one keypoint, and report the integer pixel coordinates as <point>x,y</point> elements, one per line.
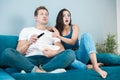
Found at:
<point>86,50</point>
<point>11,57</point>
<point>82,54</point>
<point>78,65</point>
<point>86,47</point>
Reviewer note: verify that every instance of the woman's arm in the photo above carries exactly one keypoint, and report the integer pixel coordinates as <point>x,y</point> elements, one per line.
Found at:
<point>74,37</point>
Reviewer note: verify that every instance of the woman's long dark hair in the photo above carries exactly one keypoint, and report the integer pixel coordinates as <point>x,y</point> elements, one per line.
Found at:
<point>59,21</point>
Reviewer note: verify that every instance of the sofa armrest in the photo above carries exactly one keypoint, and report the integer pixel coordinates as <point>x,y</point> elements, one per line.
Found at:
<point>5,76</point>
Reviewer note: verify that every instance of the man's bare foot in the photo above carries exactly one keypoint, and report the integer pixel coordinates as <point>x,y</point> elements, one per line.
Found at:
<point>38,70</point>
<point>90,66</point>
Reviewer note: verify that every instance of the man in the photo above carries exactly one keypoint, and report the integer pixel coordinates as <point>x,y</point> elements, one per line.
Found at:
<point>35,50</point>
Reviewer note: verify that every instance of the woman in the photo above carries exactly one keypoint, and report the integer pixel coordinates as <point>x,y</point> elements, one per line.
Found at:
<point>68,34</point>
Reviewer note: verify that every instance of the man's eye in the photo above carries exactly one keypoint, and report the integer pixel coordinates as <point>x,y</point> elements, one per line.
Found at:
<point>41,14</point>
<point>46,14</point>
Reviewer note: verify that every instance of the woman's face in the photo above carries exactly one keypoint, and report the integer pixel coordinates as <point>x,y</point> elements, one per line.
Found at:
<point>66,18</point>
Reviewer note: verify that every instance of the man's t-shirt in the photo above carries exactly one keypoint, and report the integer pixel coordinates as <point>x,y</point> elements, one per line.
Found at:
<point>37,47</point>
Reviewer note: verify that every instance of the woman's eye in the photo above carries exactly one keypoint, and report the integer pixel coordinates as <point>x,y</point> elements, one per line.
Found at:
<point>68,15</point>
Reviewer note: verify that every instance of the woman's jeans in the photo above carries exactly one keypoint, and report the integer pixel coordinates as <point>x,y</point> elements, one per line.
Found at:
<point>86,47</point>
<point>11,57</point>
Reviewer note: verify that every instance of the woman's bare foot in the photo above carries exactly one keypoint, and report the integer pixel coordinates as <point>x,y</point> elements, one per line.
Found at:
<point>101,72</point>
<point>90,66</point>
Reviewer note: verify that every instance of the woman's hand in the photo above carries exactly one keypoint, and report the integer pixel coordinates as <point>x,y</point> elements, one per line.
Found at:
<point>55,33</point>
<point>50,29</point>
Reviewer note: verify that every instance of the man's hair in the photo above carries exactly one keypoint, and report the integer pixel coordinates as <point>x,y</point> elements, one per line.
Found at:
<point>39,8</point>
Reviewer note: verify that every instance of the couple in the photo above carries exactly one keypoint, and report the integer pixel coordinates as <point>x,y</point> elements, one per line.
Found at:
<point>35,51</point>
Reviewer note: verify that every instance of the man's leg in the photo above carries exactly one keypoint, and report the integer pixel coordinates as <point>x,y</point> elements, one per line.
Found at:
<point>11,57</point>
<point>62,60</point>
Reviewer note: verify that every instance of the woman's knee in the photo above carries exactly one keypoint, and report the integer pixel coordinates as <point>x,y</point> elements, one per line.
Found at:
<point>86,35</point>
<point>88,42</point>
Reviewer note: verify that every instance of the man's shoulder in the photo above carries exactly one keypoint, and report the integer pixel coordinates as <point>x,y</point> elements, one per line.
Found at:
<point>28,28</point>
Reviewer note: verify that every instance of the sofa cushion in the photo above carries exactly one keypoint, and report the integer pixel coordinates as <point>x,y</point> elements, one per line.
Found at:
<point>113,74</point>
<point>108,59</point>
<point>5,76</point>
<point>8,41</point>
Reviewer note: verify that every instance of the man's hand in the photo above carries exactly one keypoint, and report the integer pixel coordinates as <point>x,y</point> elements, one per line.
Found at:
<point>23,45</point>
<point>33,39</point>
<point>48,52</point>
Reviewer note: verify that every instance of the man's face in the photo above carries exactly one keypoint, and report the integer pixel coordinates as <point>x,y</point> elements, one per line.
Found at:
<point>42,17</point>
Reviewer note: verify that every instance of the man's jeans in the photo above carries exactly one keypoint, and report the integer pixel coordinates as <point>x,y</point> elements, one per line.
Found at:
<point>86,47</point>
<point>11,57</point>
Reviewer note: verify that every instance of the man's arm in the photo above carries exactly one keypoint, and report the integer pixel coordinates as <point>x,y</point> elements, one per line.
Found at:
<point>50,53</point>
<point>23,45</point>
<point>60,45</point>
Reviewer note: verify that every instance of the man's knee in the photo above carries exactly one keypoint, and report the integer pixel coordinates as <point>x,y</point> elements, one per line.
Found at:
<point>8,52</point>
<point>69,54</point>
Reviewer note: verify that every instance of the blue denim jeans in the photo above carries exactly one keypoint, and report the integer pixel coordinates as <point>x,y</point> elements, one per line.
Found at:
<point>11,57</point>
<point>86,47</point>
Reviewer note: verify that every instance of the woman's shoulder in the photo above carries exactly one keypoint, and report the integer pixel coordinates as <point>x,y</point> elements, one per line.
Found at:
<point>75,26</point>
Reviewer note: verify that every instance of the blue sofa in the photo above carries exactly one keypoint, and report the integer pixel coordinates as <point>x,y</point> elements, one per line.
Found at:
<point>9,41</point>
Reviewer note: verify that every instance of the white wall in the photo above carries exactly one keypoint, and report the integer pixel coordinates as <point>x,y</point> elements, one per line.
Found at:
<point>97,17</point>
<point>118,24</point>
